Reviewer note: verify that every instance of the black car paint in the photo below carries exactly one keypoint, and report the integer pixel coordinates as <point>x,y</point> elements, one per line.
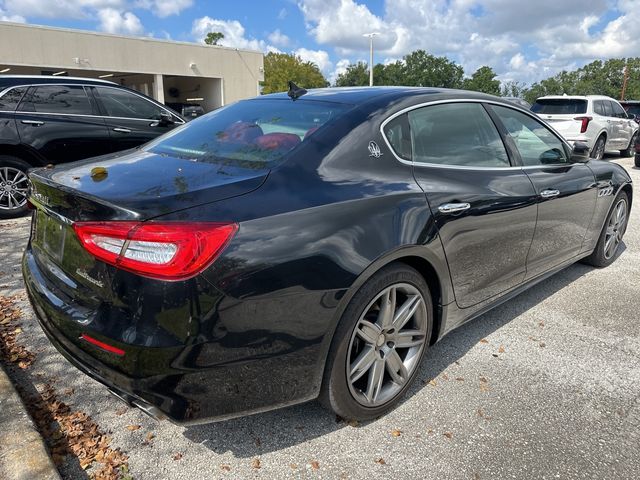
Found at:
<point>54,138</point>
<point>252,332</point>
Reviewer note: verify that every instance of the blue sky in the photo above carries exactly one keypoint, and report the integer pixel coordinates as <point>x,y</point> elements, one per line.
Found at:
<point>523,41</point>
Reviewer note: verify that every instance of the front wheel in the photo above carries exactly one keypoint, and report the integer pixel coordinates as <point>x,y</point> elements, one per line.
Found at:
<point>14,187</point>
<point>611,236</point>
<point>598,148</point>
<point>379,344</point>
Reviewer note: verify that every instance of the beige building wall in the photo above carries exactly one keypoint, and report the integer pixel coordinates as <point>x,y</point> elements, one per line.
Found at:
<point>237,72</point>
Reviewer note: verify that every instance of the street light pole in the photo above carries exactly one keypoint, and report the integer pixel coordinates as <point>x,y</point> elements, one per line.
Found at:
<point>371,35</point>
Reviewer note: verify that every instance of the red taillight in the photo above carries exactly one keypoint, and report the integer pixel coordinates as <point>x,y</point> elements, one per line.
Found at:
<point>104,346</point>
<point>585,123</point>
<point>163,250</point>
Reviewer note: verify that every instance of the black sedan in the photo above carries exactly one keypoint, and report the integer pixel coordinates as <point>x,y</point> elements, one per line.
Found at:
<point>284,249</point>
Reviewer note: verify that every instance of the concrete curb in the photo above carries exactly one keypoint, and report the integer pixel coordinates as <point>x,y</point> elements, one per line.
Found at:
<point>23,455</point>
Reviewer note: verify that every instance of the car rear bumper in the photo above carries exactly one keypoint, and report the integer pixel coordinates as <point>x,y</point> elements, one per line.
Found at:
<point>181,383</point>
<point>572,139</point>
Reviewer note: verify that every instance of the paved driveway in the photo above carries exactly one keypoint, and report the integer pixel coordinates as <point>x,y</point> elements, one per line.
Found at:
<point>545,386</point>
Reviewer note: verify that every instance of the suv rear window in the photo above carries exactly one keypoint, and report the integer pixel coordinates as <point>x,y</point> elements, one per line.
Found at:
<point>559,106</point>
<point>250,133</point>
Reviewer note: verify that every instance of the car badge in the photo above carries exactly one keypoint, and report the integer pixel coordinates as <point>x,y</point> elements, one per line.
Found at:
<point>374,150</point>
<point>43,199</point>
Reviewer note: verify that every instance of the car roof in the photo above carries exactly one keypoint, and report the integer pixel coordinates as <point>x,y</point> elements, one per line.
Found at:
<point>361,95</point>
<point>630,102</point>
<point>575,97</point>
<point>13,80</point>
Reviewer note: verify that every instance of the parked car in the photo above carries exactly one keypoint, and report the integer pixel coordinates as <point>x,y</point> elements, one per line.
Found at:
<point>276,251</point>
<point>518,101</point>
<point>632,107</point>
<point>50,120</point>
<point>598,121</point>
<point>189,111</point>
<point>637,152</point>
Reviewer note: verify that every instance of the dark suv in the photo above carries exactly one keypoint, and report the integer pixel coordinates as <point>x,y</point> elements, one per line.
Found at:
<point>49,120</point>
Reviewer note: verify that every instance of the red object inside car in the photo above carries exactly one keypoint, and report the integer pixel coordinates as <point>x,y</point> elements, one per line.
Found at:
<point>277,141</point>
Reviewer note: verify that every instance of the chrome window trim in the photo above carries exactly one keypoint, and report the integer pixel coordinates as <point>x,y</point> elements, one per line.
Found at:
<point>179,121</point>
<point>467,167</point>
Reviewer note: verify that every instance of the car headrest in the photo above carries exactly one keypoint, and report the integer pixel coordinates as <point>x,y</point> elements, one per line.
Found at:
<point>277,141</point>
<point>241,132</point>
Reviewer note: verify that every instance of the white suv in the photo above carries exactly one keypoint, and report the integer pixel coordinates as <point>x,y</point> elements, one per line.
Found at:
<point>598,121</point>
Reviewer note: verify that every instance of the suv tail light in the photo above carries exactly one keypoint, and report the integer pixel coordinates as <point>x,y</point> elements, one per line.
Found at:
<point>585,123</point>
<point>162,250</point>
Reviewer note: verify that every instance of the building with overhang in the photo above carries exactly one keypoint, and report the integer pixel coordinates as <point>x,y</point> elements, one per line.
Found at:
<point>171,72</point>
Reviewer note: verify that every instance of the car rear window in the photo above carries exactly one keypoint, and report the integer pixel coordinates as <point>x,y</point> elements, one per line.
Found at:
<point>248,133</point>
<point>559,106</point>
<point>633,108</point>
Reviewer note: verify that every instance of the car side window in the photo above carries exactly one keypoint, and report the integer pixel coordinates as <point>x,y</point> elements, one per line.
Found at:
<point>598,107</point>
<point>61,99</point>
<point>10,100</point>
<point>535,142</point>
<point>618,111</point>
<point>398,134</point>
<point>456,134</point>
<point>124,104</point>
<point>608,111</point>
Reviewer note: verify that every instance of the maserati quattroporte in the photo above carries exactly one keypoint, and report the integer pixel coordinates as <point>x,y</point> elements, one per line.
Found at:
<point>310,245</point>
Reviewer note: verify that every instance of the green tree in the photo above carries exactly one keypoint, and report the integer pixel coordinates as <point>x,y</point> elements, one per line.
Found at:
<point>483,80</point>
<point>425,70</point>
<point>279,68</point>
<point>213,38</point>
<point>512,88</point>
<point>356,75</point>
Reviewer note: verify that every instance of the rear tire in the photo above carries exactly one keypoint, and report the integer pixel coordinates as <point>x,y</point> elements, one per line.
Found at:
<point>612,232</point>
<point>637,160</point>
<point>14,187</point>
<point>627,152</point>
<point>376,351</point>
<point>598,148</point>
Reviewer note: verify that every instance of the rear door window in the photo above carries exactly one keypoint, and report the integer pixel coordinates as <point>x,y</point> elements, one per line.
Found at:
<point>559,106</point>
<point>456,134</point>
<point>535,142</point>
<point>608,111</point>
<point>60,99</point>
<point>598,107</point>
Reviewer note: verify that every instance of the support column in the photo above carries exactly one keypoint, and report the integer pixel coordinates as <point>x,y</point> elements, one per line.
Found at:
<point>158,88</point>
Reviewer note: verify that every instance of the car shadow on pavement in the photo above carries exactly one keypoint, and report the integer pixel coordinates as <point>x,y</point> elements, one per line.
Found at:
<point>262,433</point>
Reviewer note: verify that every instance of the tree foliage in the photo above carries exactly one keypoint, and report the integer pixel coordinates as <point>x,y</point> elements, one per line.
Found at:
<point>279,68</point>
<point>483,80</point>
<point>213,38</point>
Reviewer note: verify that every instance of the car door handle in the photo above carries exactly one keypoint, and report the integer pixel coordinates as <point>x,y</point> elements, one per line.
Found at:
<point>549,193</point>
<point>35,123</point>
<point>453,207</point>
<point>121,130</point>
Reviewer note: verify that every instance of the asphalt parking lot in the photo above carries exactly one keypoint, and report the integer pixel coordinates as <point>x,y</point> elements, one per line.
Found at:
<point>545,386</point>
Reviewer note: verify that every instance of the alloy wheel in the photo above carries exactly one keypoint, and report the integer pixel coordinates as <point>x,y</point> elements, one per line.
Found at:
<point>14,188</point>
<point>386,344</point>
<point>598,151</point>
<point>615,229</point>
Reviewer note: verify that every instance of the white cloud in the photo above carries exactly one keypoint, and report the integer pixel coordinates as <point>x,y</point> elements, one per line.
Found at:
<point>278,38</point>
<point>234,34</point>
<point>164,8</point>
<point>11,18</point>
<point>59,8</point>
<point>113,21</point>
<point>523,40</point>
<point>341,67</point>
<point>319,57</point>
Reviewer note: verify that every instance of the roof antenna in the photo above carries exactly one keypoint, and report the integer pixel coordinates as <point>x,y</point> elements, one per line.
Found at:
<point>295,91</point>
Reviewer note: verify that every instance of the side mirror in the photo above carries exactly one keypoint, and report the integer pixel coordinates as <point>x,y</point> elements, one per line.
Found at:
<point>580,153</point>
<point>165,120</point>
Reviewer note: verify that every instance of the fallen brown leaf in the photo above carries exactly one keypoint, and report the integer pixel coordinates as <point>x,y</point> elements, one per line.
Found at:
<point>132,428</point>
<point>460,379</point>
<point>177,456</point>
<point>542,344</point>
<point>293,466</point>
<point>396,433</point>
<point>315,464</point>
<point>381,461</point>
<point>255,463</point>
<point>449,435</point>
<point>226,467</point>
<point>501,349</point>
<point>484,340</point>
